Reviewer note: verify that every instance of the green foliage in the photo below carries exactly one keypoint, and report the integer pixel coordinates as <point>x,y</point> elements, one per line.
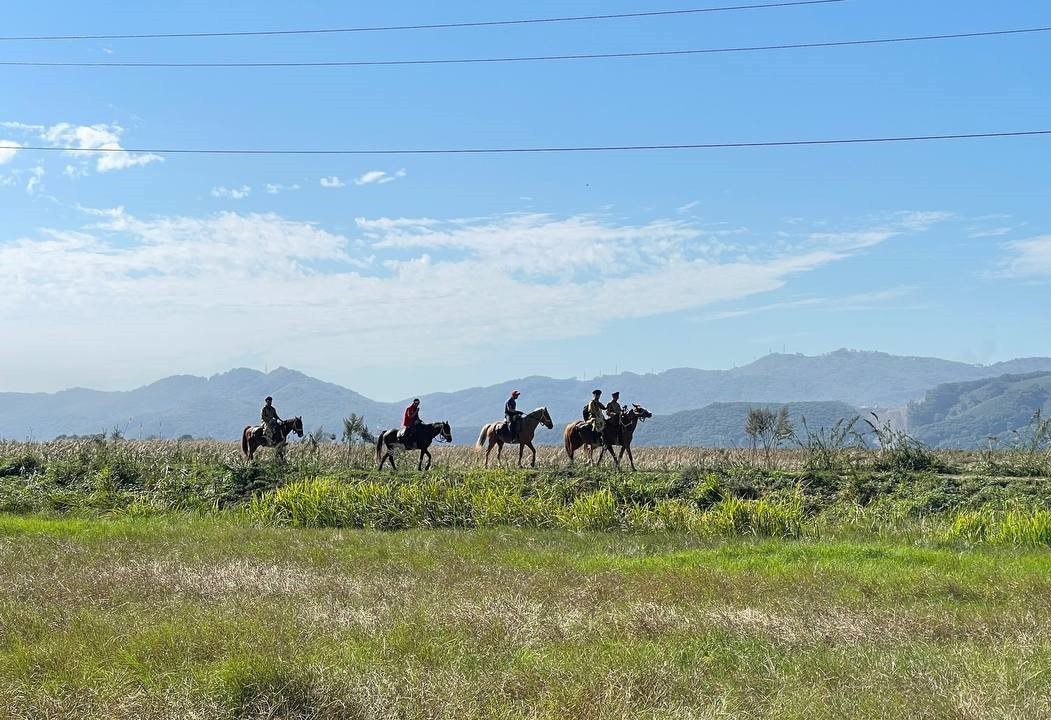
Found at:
<point>326,488</point>
<point>833,449</point>
<point>899,451</point>
<point>1001,527</point>
<point>767,428</point>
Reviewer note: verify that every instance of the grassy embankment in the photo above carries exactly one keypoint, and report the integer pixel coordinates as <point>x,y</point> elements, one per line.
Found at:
<point>817,493</point>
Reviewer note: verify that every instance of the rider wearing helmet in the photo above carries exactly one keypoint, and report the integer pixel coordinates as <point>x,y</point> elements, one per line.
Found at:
<point>513,414</point>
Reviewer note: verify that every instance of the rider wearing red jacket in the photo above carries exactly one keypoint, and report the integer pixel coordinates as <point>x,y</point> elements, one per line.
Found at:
<point>411,418</point>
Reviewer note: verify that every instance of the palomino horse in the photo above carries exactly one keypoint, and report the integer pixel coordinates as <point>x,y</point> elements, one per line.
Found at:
<point>574,438</point>
<point>253,438</point>
<point>497,433</point>
<point>420,438</point>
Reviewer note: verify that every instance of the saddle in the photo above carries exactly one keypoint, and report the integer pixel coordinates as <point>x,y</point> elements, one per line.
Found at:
<point>505,429</point>
<point>258,432</point>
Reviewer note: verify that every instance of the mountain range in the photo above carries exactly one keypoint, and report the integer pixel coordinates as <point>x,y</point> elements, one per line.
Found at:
<point>692,406</point>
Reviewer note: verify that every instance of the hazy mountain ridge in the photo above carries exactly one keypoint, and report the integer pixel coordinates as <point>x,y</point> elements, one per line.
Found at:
<point>221,405</point>
<point>968,414</point>
<point>722,424</point>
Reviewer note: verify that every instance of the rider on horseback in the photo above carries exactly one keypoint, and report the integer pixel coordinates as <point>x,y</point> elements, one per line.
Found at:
<point>594,410</point>
<point>513,414</point>
<point>271,429</point>
<point>409,420</point>
<point>613,414</point>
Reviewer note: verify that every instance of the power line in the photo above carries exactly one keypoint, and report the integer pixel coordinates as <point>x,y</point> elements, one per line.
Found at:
<point>432,26</point>
<point>550,149</point>
<point>524,58</point>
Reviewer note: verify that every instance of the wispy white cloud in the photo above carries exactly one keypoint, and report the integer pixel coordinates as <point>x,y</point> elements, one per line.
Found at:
<point>36,176</point>
<point>233,193</point>
<point>79,138</point>
<point>991,232</point>
<point>1026,260</point>
<point>379,177</point>
<point>97,137</point>
<point>687,207</point>
<point>8,149</point>
<point>332,181</point>
<point>174,289</point>
<point>874,300</point>
<point>275,188</point>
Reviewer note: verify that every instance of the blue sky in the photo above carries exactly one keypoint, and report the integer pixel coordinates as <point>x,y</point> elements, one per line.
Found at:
<point>408,274</point>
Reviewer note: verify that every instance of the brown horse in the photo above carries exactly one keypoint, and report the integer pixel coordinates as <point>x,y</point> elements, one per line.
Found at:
<point>252,437</point>
<point>497,433</point>
<point>420,439</point>
<point>574,438</point>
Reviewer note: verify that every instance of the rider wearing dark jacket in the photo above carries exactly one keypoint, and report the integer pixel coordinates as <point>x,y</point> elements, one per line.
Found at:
<point>513,414</point>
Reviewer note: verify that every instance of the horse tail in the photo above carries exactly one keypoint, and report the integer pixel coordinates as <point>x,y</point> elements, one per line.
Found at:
<point>379,444</point>
<point>567,438</point>
<point>481,437</point>
<point>244,439</point>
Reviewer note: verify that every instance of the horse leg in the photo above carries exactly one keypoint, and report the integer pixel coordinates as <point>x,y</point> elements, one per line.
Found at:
<point>487,451</point>
<point>521,449</point>
<point>631,458</point>
<point>532,463</point>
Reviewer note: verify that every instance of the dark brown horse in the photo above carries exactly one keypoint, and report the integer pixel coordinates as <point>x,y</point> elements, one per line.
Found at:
<point>576,435</point>
<point>252,437</point>
<point>420,439</point>
<point>497,433</point>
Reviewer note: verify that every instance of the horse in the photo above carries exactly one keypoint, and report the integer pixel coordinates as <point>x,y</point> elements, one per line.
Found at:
<point>252,437</point>
<point>574,438</point>
<point>420,439</point>
<point>498,433</point>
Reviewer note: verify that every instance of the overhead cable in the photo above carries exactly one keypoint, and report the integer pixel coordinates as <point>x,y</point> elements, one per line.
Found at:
<point>540,149</point>
<point>510,59</point>
<point>430,26</point>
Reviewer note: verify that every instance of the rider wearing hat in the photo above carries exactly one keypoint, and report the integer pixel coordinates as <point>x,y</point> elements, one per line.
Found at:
<point>595,408</point>
<point>613,412</point>
<point>513,414</point>
<point>268,415</point>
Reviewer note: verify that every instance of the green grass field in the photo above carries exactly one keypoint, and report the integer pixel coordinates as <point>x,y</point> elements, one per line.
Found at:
<point>171,580</point>
<point>180,617</point>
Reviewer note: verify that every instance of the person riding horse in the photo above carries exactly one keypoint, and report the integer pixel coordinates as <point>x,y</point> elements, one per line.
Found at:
<point>271,428</point>
<point>614,411</point>
<point>409,421</point>
<point>594,411</point>
<point>513,414</point>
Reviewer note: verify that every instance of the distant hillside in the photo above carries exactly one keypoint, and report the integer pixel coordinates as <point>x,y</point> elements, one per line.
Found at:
<point>966,414</point>
<point>218,407</point>
<point>722,424</point>
<point>861,379</point>
<point>222,405</point>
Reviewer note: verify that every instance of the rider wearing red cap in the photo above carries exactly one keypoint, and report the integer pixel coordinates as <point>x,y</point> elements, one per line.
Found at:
<point>512,413</point>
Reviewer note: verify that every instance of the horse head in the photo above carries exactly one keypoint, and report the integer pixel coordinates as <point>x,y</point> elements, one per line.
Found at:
<point>544,417</point>
<point>444,431</point>
<point>640,412</point>
<point>297,426</point>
